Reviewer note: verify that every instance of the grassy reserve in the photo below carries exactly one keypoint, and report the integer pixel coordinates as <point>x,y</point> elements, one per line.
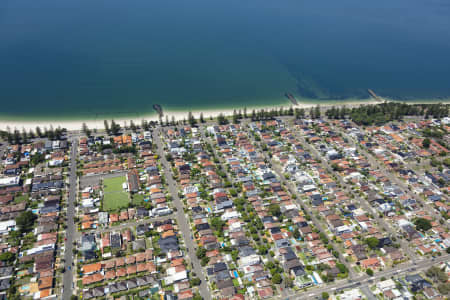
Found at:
<point>114,197</point>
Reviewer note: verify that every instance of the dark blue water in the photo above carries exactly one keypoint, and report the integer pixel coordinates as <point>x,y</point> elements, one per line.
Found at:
<point>88,58</point>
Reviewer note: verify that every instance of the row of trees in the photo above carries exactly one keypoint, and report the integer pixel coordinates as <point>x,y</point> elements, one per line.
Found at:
<point>21,137</point>
<point>377,114</point>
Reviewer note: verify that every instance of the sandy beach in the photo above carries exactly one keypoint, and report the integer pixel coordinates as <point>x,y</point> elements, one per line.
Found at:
<point>178,115</point>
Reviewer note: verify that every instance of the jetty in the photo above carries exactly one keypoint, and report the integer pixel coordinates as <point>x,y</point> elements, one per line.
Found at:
<point>375,96</point>
<point>291,97</point>
<point>158,109</point>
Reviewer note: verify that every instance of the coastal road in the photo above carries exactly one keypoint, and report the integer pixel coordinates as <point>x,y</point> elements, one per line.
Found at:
<point>367,292</point>
<point>181,217</point>
<point>70,230</point>
<point>363,279</point>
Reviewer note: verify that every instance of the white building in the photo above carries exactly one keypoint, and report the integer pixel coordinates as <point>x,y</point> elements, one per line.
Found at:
<point>6,226</point>
<point>9,181</point>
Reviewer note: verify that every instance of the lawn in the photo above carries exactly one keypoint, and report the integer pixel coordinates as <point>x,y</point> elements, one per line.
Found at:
<point>113,184</point>
<point>236,282</point>
<point>114,197</point>
<point>20,198</point>
<point>115,201</point>
<point>138,199</point>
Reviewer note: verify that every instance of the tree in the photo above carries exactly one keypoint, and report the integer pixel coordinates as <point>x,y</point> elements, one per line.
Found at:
<point>342,268</point>
<point>317,112</point>
<point>217,224</point>
<point>325,295</point>
<point>195,281</point>
<point>37,158</point>
<point>202,118</point>
<point>133,126</point>
<point>191,119</point>
<point>422,224</point>
<point>235,117</point>
<point>196,296</point>
<point>7,257</point>
<point>276,278</point>
<point>31,134</point>
<point>296,233</point>
<point>38,131</point>
<point>437,273</point>
<point>16,136</point>
<point>369,272</point>
<point>115,128</point>
<point>221,119</point>
<point>25,221</point>
<point>372,242</point>
<point>201,252</point>
<point>426,143</point>
<point>105,123</point>
<point>86,130</point>
<point>24,136</point>
<point>204,261</point>
<point>274,210</point>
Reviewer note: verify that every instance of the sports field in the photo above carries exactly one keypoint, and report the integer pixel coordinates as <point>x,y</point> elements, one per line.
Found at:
<point>114,197</point>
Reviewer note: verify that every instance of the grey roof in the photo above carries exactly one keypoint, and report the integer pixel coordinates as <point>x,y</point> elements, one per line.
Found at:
<point>141,281</point>
<point>6,271</point>
<point>98,291</point>
<point>144,293</point>
<point>131,284</point>
<point>113,288</point>
<point>413,278</point>
<point>5,284</point>
<point>139,244</point>
<point>121,286</point>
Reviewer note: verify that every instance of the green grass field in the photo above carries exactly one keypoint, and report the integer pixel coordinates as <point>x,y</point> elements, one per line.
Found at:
<point>113,184</point>
<point>114,197</point>
<point>138,199</point>
<point>20,198</point>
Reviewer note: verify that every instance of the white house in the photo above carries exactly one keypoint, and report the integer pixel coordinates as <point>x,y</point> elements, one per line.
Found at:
<point>6,226</point>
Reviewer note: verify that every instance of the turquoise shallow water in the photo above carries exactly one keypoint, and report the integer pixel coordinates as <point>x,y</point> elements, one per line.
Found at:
<point>93,59</point>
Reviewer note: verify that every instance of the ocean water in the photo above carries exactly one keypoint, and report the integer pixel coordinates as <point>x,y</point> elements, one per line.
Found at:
<point>98,58</point>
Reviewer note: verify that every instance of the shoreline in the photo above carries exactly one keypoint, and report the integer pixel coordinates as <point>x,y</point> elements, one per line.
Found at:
<point>76,124</point>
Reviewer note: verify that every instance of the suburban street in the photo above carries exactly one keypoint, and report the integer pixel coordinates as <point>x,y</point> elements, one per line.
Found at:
<point>363,202</point>
<point>363,279</point>
<point>70,230</point>
<point>181,217</point>
<point>316,222</point>
<point>133,223</point>
<point>375,164</point>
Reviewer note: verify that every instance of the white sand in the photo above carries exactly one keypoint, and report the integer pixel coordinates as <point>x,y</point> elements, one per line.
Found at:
<point>179,115</point>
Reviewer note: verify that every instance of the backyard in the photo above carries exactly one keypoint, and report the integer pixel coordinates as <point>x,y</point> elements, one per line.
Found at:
<point>114,197</point>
